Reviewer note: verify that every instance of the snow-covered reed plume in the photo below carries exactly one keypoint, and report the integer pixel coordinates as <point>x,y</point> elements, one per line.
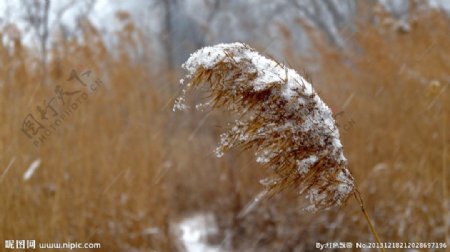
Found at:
<point>280,116</point>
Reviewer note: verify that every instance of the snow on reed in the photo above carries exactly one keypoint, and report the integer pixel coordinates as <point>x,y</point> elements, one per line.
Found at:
<point>281,117</point>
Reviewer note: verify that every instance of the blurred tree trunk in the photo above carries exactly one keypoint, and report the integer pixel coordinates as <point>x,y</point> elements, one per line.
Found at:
<point>167,32</point>
<point>328,16</point>
<point>44,37</point>
<point>37,16</point>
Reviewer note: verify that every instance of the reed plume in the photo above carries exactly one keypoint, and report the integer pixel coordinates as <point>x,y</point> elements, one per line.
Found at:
<point>281,117</point>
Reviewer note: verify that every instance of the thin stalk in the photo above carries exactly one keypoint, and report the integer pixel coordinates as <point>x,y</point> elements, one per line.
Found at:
<point>359,198</point>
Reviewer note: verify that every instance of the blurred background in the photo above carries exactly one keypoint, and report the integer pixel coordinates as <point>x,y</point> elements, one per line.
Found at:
<point>90,150</point>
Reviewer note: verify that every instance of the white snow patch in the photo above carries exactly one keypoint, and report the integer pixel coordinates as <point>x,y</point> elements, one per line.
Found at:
<point>194,231</point>
<point>304,164</point>
<point>179,104</point>
<point>344,187</point>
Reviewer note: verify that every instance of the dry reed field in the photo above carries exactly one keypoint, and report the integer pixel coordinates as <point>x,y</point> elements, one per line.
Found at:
<point>121,168</point>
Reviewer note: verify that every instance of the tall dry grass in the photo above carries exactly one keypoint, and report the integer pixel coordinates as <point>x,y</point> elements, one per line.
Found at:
<point>102,177</point>
<point>123,165</point>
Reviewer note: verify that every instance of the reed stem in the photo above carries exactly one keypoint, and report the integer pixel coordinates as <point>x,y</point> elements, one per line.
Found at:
<point>359,198</point>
